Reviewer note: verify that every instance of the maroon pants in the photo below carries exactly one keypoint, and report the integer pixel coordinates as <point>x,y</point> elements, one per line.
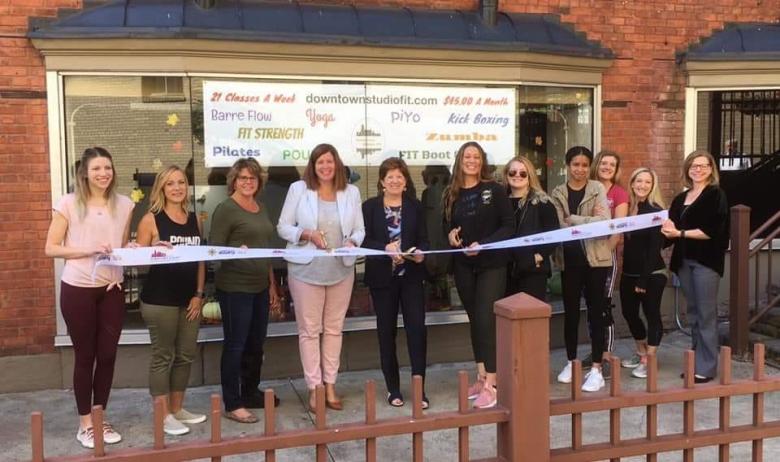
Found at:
<point>94,318</point>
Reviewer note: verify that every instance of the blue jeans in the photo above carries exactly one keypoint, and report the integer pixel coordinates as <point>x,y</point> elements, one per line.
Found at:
<point>244,324</point>
<point>700,286</point>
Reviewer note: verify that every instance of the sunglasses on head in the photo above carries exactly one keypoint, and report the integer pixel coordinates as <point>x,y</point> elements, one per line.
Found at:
<point>519,173</point>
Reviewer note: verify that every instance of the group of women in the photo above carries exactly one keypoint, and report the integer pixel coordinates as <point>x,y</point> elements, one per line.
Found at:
<point>324,211</point>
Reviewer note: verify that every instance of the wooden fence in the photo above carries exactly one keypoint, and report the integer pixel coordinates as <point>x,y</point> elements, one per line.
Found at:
<point>522,417</point>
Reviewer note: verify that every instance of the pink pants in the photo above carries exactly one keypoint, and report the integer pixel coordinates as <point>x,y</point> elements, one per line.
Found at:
<point>320,310</point>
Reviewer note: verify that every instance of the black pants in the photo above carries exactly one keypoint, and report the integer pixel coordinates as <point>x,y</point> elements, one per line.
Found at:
<point>479,288</point>
<point>651,305</point>
<point>409,296</point>
<point>575,281</point>
<point>245,324</point>
<point>534,284</point>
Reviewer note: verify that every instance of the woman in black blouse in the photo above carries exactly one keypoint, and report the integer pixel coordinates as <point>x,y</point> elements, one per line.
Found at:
<point>395,222</point>
<point>698,226</point>
<point>529,266</point>
<point>477,211</point>
<point>644,271</point>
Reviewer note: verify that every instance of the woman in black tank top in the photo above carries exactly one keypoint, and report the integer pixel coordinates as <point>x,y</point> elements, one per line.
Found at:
<point>172,296</point>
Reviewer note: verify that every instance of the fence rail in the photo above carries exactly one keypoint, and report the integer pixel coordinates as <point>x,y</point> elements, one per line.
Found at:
<point>522,417</point>
<point>741,316</point>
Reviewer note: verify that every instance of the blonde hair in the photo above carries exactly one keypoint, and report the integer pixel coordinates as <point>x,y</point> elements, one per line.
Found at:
<point>533,178</point>
<point>157,198</point>
<point>82,191</point>
<point>714,176</point>
<point>450,195</point>
<point>594,167</point>
<point>654,197</point>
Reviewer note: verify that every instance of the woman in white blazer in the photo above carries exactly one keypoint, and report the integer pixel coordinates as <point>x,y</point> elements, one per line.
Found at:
<point>321,211</point>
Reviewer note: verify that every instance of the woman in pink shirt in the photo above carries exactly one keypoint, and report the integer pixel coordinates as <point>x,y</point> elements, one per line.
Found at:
<point>606,170</point>
<point>86,225</point>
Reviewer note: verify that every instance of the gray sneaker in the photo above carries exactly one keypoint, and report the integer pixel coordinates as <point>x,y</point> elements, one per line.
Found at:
<point>171,426</point>
<point>632,362</point>
<point>606,369</point>
<point>186,417</point>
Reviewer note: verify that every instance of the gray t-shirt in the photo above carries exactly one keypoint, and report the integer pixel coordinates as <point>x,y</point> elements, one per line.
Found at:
<point>324,271</point>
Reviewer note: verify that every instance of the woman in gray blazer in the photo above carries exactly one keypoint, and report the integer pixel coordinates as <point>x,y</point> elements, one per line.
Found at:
<point>321,211</point>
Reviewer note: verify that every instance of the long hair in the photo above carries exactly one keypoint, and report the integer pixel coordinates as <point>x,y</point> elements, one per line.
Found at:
<point>453,190</point>
<point>340,173</point>
<point>157,198</point>
<point>653,198</point>
<point>82,190</point>
<point>533,178</point>
<point>594,167</point>
<point>393,163</point>
<point>714,176</point>
<point>250,164</point>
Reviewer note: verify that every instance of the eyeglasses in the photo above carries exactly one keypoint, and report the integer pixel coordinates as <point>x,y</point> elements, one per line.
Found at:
<point>699,166</point>
<point>247,179</point>
<point>517,173</point>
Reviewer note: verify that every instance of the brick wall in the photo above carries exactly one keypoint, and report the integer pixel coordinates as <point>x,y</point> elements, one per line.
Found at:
<point>642,119</point>
<point>27,320</point>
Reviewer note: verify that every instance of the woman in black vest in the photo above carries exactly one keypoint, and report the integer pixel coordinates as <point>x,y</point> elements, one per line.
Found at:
<point>395,222</point>
<point>172,296</point>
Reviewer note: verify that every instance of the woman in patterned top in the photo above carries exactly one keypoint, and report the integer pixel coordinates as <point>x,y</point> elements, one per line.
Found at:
<point>395,223</point>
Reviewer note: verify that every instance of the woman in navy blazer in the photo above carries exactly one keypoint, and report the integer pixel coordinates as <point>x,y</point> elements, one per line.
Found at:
<point>395,223</point>
<point>322,211</point>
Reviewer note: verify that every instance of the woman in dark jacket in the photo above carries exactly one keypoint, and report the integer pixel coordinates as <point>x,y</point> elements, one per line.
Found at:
<point>395,222</point>
<point>529,267</point>
<point>644,271</point>
<point>476,212</point>
<point>698,225</point>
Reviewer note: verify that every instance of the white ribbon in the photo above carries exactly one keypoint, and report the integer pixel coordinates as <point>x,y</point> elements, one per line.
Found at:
<point>141,256</point>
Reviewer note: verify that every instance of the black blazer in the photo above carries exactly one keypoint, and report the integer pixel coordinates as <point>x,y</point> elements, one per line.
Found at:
<point>537,216</point>
<point>379,270</point>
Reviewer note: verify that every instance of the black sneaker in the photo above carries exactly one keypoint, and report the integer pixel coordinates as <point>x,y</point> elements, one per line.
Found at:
<point>257,401</point>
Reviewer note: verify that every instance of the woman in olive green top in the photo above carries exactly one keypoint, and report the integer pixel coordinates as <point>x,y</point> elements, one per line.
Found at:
<point>245,289</point>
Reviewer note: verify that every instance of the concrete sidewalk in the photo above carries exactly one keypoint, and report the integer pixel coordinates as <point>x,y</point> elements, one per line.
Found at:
<point>130,412</point>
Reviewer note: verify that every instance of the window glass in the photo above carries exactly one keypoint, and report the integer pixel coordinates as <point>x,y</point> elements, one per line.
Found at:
<point>151,122</point>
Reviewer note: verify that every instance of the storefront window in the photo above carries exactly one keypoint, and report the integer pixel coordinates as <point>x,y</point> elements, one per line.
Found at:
<point>150,122</point>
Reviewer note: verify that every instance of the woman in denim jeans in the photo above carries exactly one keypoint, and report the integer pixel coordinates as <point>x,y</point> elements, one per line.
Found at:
<point>245,289</point>
<point>698,226</point>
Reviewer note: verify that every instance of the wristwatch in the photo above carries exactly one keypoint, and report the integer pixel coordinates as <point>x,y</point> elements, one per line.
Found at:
<point>200,294</point>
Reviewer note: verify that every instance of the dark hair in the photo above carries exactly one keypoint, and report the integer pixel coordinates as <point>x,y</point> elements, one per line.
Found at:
<point>393,163</point>
<point>244,163</point>
<point>453,190</point>
<point>339,173</point>
<point>578,151</point>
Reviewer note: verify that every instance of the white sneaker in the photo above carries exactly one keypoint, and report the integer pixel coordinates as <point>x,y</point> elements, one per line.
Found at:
<point>86,437</point>
<point>171,426</point>
<point>640,371</point>
<point>186,417</point>
<point>594,381</point>
<point>110,436</point>
<point>565,375</point>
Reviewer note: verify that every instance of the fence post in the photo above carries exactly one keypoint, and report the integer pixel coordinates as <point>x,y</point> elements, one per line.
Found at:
<point>739,280</point>
<point>523,374</point>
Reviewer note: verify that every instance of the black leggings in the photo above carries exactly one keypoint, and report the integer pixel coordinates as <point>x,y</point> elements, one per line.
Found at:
<point>575,281</point>
<point>479,288</point>
<point>409,295</point>
<point>651,305</point>
<point>534,284</point>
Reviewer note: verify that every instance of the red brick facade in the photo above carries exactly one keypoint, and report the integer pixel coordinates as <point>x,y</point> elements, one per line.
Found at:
<point>642,118</point>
